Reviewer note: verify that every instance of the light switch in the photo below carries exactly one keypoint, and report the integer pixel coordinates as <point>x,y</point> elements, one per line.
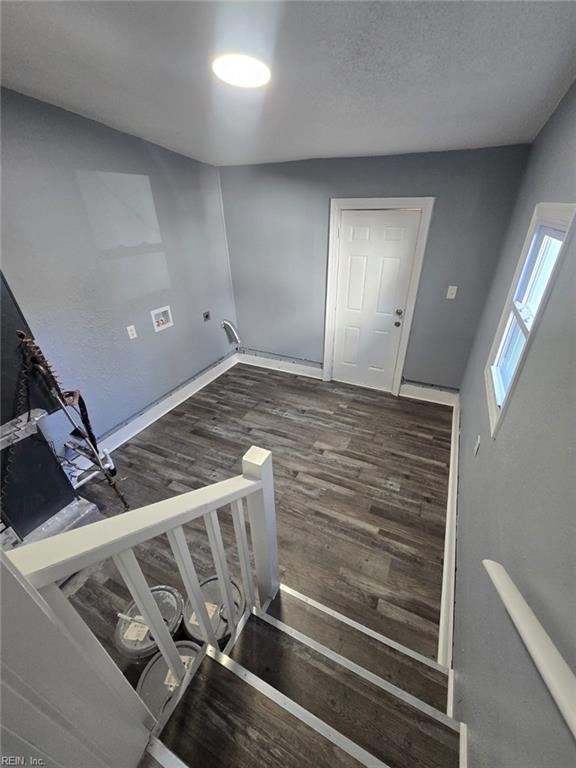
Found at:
<point>451,292</point>
<point>131,331</point>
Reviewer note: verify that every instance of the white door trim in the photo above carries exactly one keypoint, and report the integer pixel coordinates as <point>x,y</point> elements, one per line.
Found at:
<point>337,205</point>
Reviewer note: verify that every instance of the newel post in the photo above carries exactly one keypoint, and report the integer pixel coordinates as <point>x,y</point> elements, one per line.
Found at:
<point>257,465</point>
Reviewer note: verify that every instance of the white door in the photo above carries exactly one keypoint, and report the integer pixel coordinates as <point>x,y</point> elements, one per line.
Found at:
<point>376,256</point>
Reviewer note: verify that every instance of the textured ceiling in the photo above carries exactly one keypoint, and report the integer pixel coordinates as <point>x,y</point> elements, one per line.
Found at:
<point>348,78</point>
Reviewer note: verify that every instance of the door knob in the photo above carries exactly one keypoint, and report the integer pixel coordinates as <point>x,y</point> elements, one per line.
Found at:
<point>399,312</point>
<point>397,323</point>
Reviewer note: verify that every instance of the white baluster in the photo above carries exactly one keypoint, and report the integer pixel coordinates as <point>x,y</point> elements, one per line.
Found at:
<point>96,656</point>
<point>134,578</point>
<point>257,465</point>
<point>185,565</point>
<point>237,509</point>
<point>219,555</point>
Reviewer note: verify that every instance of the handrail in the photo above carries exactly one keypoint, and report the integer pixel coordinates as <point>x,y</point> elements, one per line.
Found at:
<point>49,560</point>
<point>44,563</point>
<point>555,672</point>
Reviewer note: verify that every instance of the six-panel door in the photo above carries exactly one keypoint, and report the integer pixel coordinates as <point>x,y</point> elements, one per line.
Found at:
<point>376,257</point>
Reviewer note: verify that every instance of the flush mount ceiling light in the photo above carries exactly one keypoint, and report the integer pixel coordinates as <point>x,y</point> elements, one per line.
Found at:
<point>241,70</point>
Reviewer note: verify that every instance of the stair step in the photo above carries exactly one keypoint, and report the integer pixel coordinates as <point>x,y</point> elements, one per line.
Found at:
<point>389,728</point>
<point>408,670</point>
<point>223,722</point>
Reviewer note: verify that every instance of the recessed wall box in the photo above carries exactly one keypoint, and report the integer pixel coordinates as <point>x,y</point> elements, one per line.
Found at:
<point>162,318</point>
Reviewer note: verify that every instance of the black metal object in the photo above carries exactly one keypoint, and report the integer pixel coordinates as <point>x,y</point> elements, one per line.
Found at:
<point>39,396</point>
<point>37,488</point>
<point>34,486</point>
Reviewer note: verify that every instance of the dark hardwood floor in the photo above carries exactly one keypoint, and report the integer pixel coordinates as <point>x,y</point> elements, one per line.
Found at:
<point>361,484</point>
<point>386,727</point>
<point>222,722</point>
<point>411,674</point>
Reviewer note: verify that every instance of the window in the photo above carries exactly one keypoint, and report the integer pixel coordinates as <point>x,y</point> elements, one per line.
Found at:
<point>531,286</point>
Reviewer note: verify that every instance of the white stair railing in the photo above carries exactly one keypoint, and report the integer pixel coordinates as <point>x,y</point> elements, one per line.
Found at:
<point>47,562</point>
<point>555,672</point>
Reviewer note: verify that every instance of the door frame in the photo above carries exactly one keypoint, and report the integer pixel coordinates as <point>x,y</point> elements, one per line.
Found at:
<point>423,204</point>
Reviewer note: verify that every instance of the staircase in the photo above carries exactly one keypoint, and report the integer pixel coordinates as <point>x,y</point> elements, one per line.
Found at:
<point>297,684</point>
<point>301,687</point>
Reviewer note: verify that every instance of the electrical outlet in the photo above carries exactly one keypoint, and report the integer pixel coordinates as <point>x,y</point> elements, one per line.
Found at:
<point>477,446</point>
<point>452,291</point>
<point>206,316</point>
<point>131,331</point>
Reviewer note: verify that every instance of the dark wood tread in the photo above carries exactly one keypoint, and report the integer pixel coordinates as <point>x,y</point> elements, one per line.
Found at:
<point>413,676</point>
<point>385,726</point>
<point>224,722</point>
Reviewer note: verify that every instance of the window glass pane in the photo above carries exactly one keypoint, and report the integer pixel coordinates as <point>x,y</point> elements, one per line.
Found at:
<point>536,273</point>
<point>507,358</point>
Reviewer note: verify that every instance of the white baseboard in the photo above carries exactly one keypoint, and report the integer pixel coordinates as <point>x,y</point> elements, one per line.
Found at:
<point>446,628</point>
<point>298,369</point>
<point>150,415</point>
<point>154,412</point>
<point>430,394</point>
<point>463,763</point>
<point>450,694</point>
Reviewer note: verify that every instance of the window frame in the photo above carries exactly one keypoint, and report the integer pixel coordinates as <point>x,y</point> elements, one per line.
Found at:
<point>559,216</point>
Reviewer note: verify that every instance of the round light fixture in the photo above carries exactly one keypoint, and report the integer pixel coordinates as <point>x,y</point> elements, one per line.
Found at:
<point>241,70</point>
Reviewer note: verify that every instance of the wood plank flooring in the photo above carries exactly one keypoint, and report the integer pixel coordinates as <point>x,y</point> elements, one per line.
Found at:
<point>361,484</point>
<point>222,722</point>
<point>388,728</point>
<point>412,675</point>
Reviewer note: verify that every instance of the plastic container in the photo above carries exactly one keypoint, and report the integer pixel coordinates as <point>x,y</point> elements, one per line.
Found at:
<point>157,685</point>
<point>133,638</point>
<point>216,611</point>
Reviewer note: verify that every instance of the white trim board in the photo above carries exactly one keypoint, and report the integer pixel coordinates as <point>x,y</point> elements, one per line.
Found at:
<point>147,417</point>
<point>162,407</point>
<point>463,761</point>
<point>154,412</point>
<point>450,694</point>
<point>446,626</point>
<point>430,394</point>
<point>298,369</point>
<point>363,628</point>
<point>337,205</point>
<point>390,688</point>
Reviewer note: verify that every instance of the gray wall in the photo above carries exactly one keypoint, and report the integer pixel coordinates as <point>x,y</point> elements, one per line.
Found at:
<point>517,499</point>
<point>99,229</point>
<point>277,225</point>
